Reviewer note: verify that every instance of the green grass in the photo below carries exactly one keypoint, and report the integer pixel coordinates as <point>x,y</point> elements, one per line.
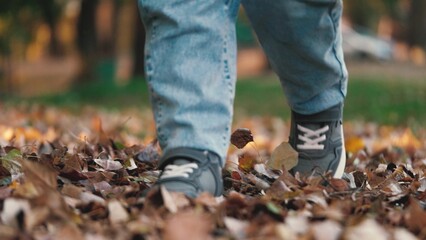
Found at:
<point>389,101</point>
<point>392,101</point>
<point>105,94</point>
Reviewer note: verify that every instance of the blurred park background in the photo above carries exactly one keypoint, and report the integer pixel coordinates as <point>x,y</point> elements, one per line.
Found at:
<point>77,52</point>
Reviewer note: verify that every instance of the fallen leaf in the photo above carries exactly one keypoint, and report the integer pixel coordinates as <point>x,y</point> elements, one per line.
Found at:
<point>338,184</point>
<point>236,227</point>
<point>283,231</point>
<point>241,137</point>
<point>415,216</point>
<point>327,230</point>
<point>87,197</point>
<point>108,164</point>
<point>298,223</point>
<point>207,199</point>
<point>367,229</point>
<point>169,203</point>
<point>246,162</point>
<point>283,156</point>
<point>261,168</point>
<point>68,231</point>
<point>37,217</point>
<point>72,191</point>
<point>10,163</point>
<point>149,153</point>
<point>12,207</point>
<point>117,213</point>
<point>40,174</point>
<point>130,164</point>
<point>236,175</point>
<point>354,144</point>
<point>280,191</point>
<point>422,187</point>
<point>403,234</point>
<point>188,225</point>
<point>5,192</point>
<point>102,186</point>
<point>260,183</point>
<point>5,176</point>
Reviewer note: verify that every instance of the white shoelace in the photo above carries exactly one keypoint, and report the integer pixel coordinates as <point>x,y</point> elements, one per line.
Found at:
<point>179,170</point>
<point>312,138</point>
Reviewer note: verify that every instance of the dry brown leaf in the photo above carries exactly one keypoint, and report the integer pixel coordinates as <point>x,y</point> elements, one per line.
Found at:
<point>88,197</point>
<point>415,216</point>
<point>109,164</point>
<point>42,176</point>
<point>11,208</point>
<point>327,230</point>
<point>403,234</point>
<point>283,156</point>
<point>285,232</point>
<point>207,199</point>
<point>188,225</point>
<point>169,203</point>
<point>117,213</point>
<point>261,184</point>
<point>367,229</point>
<point>241,137</point>
<point>386,183</point>
<point>8,232</point>
<point>237,227</point>
<point>37,217</point>
<point>72,191</point>
<point>338,184</point>
<point>68,232</point>
<point>298,223</point>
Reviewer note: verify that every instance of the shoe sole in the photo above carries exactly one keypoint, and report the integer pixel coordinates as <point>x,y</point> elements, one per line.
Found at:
<point>342,162</point>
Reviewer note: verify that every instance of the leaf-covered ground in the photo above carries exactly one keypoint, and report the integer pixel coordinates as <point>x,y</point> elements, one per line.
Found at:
<point>80,175</point>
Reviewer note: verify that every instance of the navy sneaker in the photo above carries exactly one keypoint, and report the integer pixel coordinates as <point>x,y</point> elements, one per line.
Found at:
<point>191,172</point>
<point>318,138</point>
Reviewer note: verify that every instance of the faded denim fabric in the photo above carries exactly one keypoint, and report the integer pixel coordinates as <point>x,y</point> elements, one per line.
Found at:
<point>190,62</point>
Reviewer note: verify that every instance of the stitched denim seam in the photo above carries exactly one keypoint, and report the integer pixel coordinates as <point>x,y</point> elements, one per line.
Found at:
<point>226,71</point>
<point>155,100</point>
<point>335,32</point>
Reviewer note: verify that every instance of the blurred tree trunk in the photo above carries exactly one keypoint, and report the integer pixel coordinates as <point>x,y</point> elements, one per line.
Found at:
<point>417,24</point>
<point>51,13</point>
<point>86,39</point>
<point>139,46</point>
<point>106,27</point>
<point>6,84</point>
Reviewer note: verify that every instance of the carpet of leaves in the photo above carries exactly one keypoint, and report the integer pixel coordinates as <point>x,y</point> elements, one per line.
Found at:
<point>68,175</point>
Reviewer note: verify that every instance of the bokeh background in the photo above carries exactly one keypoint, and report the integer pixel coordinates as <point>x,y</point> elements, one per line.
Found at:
<point>74,53</point>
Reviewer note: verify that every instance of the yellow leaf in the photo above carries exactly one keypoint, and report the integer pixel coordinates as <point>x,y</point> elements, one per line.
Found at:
<point>246,162</point>
<point>354,144</point>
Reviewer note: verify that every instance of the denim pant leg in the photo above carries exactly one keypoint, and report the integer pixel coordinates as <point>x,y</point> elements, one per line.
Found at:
<point>190,57</point>
<point>303,42</point>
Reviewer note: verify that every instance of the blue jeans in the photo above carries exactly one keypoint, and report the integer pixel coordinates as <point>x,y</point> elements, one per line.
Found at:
<point>190,62</point>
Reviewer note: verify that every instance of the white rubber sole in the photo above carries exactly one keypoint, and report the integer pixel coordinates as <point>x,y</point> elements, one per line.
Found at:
<point>342,163</point>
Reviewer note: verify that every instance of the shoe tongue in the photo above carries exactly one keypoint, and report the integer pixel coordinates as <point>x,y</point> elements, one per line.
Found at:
<point>312,125</point>
<point>329,115</point>
<point>181,162</point>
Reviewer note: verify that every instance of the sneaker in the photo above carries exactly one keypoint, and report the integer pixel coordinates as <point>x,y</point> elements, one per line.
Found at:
<point>318,138</point>
<point>191,172</point>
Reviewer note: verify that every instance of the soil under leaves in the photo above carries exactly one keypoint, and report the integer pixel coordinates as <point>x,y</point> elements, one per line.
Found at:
<point>81,176</point>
